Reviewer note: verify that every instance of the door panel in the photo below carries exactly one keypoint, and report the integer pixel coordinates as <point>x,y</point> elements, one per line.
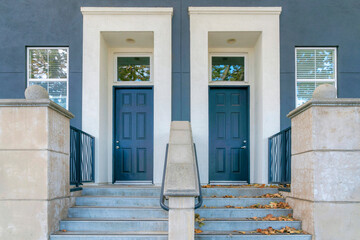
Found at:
<point>133,135</point>
<point>228,134</point>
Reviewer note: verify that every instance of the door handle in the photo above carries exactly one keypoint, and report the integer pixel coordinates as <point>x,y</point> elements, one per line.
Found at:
<point>117,147</point>
<point>243,147</point>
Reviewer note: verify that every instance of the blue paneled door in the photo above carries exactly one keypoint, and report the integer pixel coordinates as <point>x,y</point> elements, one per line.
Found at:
<point>133,134</point>
<point>228,134</point>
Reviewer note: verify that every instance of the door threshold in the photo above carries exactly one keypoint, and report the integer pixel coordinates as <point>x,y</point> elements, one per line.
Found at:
<point>133,182</point>
<point>228,183</point>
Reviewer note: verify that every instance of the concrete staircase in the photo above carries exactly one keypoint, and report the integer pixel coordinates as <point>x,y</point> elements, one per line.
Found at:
<point>115,212</point>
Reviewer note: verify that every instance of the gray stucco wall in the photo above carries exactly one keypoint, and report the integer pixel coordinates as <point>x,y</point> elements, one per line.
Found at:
<point>59,23</point>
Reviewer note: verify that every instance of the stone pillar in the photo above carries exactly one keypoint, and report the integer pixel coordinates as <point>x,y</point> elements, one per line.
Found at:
<point>325,170</point>
<point>34,167</point>
<point>181,218</point>
<point>181,182</point>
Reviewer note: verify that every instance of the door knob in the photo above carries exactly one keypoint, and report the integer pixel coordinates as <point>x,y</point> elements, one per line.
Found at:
<point>117,147</point>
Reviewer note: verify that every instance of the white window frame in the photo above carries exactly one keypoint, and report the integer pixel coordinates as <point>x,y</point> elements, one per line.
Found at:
<point>314,80</point>
<point>28,79</point>
<point>150,55</point>
<point>227,54</point>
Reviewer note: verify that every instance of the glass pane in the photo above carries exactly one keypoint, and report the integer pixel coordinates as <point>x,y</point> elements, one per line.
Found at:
<point>325,64</point>
<point>38,63</point>
<point>57,90</point>
<point>228,69</point>
<point>57,63</point>
<point>305,91</point>
<point>133,69</point>
<point>305,63</point>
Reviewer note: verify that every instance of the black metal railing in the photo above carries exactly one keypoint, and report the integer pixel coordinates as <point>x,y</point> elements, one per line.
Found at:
<point>163,198</point>
<point>280,157</point>
<point>82,153</point>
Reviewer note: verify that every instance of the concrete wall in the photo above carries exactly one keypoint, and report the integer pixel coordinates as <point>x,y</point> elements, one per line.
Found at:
<point>34,168</point>
<point>325,170</point>
<point>302,23</point>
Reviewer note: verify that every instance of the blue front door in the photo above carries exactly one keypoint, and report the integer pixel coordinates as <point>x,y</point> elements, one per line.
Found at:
<point>133,134</point>
<point>228,134</point>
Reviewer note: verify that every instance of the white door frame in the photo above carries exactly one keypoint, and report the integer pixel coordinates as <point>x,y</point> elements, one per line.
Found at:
<point>98,82</point>
<point>265,114</point>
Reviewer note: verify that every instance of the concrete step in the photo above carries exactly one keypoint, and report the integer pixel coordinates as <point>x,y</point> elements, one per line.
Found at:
<point>232,235</point>
<point>163,236</point>
<point>120,225</point>
<point>154,201</point>
<point>116,212</point>
<point>245,225</point>
<point>122,191</point>
<point>109,236</point>
<point>238,202</point>
<point>157,212</point>
<point>250,192</point>
<point>126,225</point>
<point>240,213</point>
<point>155,191</point>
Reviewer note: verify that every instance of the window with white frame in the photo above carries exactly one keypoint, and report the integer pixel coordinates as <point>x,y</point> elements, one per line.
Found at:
<point>314,66</point>
<point>49,68</point>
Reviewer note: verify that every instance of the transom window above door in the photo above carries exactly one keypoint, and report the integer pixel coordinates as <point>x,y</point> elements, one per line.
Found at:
<point>49,68</point>
<point>228,68</point>
<point>133,69</point>
<point>314,67</point>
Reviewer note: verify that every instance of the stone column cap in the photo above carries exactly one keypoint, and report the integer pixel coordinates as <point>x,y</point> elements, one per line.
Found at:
<point>36,103</point>
<point>181,177</point>
<point>326,102</point>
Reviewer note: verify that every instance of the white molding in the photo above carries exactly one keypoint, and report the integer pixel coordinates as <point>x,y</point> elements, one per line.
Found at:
<point>236,10</point>
<point>98,79</point>
<point>126,11</point>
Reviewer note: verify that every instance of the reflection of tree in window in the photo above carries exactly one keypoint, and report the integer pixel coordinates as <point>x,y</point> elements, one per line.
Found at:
<point>48,63</point>
<point>228,69</point>
<point>133,69</point>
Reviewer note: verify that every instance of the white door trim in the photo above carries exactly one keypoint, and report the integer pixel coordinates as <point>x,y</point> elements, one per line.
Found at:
<point>98,82</point>
<point>265,82</point>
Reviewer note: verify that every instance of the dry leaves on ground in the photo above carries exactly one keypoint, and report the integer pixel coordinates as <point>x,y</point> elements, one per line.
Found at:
<point>270,217</point>
<point>268,195</point>
<point>199,220</point>
<point>271,231</point>
<point>273,205</point>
